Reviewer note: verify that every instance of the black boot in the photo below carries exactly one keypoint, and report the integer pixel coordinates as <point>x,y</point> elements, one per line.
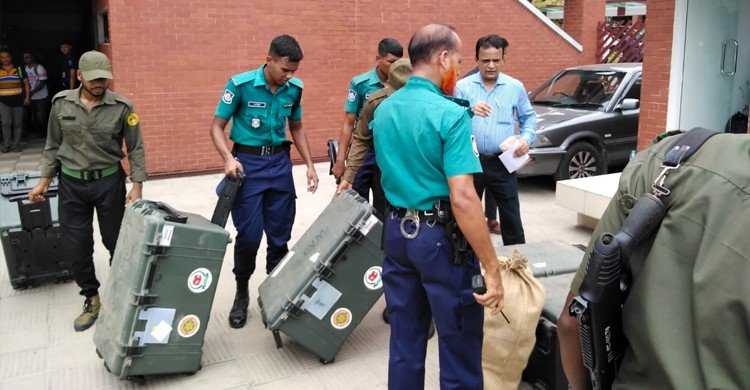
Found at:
<point>238,314</point>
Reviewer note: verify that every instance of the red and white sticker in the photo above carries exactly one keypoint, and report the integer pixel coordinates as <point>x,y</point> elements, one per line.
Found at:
<point>341,318</point>
<point>189,326</point>
<point>199,280</point>
<point>374,278</point>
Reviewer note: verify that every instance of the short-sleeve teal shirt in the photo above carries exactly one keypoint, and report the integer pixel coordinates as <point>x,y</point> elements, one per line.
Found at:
<point>360,89</point>
<point>258,116</point>
<point>421,139</point>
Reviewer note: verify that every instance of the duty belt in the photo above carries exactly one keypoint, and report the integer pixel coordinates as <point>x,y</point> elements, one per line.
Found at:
<point>488,156</point>
<point>440,214</point>
<point>90,175</point>
<point>269,150</point>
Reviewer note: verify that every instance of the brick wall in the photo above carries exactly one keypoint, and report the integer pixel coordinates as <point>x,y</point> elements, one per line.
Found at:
<point>656,71</point>
<point>172,58</point>
<point>580,22</point>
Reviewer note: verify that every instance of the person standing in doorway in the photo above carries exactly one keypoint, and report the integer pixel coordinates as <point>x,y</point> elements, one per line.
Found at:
<point>14,94</point>
<point>39,106</point>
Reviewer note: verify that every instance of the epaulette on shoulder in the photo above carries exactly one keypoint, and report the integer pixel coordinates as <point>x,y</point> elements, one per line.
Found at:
<point>297,83</point>
<point>124,100</point>
<point>63,94</point>
<point>243,78</point>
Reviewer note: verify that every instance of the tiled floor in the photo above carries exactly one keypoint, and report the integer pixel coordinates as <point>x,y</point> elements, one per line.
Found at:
<point>40,350</point>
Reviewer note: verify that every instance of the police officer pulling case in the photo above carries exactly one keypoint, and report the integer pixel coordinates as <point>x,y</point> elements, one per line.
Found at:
<point>260,103</point>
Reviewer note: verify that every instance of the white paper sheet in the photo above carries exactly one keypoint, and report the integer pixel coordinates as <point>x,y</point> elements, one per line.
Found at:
<point>511,162</point>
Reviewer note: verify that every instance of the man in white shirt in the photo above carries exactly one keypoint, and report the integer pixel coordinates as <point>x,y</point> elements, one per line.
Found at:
<point>40,103</point>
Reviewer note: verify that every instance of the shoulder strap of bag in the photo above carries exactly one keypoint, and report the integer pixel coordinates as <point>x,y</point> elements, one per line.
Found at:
<point>679,151</point>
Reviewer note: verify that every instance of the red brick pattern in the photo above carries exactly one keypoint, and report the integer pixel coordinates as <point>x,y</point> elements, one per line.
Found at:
<point>581,18</point>
<point>172,58</point>
<point>656,71</point>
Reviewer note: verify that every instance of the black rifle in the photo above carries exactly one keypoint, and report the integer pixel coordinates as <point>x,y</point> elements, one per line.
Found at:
<point>606,284</point>
<point>227,198</point>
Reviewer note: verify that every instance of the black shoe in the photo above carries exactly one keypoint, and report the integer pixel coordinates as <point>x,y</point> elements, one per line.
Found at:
<point>238,314</point>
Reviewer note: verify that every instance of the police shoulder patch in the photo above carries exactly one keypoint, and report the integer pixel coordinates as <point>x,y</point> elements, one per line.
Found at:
<point>133,119</point>
<point>351,96</point>
<point>227,97</point>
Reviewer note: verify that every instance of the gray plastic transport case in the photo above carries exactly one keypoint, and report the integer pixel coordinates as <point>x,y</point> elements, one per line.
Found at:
<point>329,280</point>
<point>157,299</point>
<point>30,233</point>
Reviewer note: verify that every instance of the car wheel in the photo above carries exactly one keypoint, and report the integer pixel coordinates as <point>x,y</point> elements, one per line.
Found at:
<point>581,160</point>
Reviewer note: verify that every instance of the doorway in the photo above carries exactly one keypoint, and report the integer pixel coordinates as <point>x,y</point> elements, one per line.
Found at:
<point>40,27</point>
<point>715,76</point>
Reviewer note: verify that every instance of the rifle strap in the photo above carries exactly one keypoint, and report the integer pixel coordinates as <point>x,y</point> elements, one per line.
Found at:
<point>679,151</point>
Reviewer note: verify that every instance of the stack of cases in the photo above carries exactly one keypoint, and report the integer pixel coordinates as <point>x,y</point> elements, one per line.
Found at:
<point>30,233</point>
<point>158,297</point>
<point>554,264</point>
<point>329,280</point>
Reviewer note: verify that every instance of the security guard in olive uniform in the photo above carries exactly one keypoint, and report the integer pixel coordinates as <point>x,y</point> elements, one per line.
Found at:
<point>362,140</point>
<point>686,316</point>
<point>260,103</point>
<point>360,89</point>
<point>424,149</point>
<point>86,129</point>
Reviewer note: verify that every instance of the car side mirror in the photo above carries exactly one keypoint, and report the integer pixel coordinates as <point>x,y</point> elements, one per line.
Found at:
<point>628,104</point>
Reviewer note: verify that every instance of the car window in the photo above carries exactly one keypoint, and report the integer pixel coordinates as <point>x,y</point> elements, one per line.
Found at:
<point>635,90</point>
<point>579,88</point>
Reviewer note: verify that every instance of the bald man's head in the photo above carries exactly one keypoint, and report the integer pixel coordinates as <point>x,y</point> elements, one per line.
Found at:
<point>430,41</point>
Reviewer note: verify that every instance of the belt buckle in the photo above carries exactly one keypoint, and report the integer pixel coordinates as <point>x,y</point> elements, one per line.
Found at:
<point>264,151</point>
<point>413,216</point>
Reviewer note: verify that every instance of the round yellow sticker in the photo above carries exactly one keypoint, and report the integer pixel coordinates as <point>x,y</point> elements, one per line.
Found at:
<point>133,119</point>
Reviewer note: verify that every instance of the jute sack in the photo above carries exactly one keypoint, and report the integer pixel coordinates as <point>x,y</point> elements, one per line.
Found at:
<point>507,347</point>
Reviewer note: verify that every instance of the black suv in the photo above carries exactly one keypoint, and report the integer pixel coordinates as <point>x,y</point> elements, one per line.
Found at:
<point>587,120</point>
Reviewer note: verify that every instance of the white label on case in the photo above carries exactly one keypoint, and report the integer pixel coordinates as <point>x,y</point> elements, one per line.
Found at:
<point>166,235</point>
<point>314,257</point>
<point>369,224</point>
<point>341,318</point>
<point>199,280</point>
<point>161,331</point>
<point>540,265</point>
<point>282,264</point>
<point>374,278</point>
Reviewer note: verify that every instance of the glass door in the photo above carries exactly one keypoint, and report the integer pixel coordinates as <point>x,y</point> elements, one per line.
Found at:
<point>716,70</point>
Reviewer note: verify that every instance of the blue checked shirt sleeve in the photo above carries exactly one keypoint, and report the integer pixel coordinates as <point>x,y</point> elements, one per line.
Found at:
<point>229,101</point>
<point>526,116</point>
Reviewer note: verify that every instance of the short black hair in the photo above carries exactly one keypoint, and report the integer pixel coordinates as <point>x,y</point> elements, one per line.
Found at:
<point>491,40</point>
<point>431,40</point>
<point>390,46</point>
<point>286,46</point>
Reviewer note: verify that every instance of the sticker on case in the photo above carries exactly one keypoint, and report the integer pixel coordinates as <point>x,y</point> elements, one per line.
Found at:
<point>199,280</point>
<point>374,278</point>
<point>189,326</point>
<point>341,318</point>
<point>166,235</point>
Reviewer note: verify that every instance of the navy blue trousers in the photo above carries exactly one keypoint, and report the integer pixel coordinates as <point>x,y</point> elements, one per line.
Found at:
<point>421,282</point>
<point>504,188</point>
<point>265,203</point>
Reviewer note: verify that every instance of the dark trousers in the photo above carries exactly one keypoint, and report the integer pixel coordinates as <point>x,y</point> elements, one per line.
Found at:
<point>367,179</point>
<point>78,200</point>
<point>39,110</point>
<point>504,188</point>
<point>12,124</point>
<point>490,206</point>
<point>421,282</point>
<point>265,203</point>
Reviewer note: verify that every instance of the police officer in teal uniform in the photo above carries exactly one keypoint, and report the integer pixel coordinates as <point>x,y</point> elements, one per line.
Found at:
<point>360,88</point>
<point>260,103</point>
<point>424,148</point>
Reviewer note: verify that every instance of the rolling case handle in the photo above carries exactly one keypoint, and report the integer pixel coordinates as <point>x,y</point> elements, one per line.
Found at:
<point>172,214</point>
<point>21,198</point>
